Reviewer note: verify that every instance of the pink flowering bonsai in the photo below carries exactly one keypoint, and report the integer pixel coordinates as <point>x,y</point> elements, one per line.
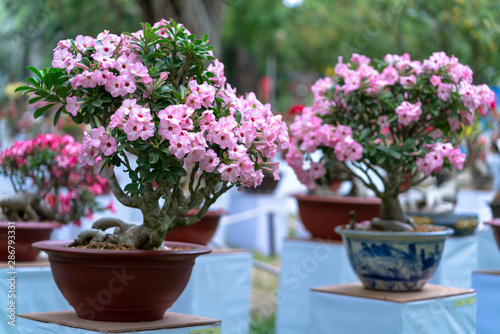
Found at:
<point>156,110</point>
<point>395,121</point>
<point>50,183</point>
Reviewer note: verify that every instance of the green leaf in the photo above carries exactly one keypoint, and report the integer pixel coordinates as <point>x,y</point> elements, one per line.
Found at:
<point>177,170</point>
<point>123,146</point>
<point>131,187</point>
<point>18,89</point>
<point>237,115</point>
<point>143,163</point>
<point>40,111</point>
<point>58,115</point>
<point>133,175</point>
<point>34,81</point>
<point>154,158</point>
<point>97,103</point>
<point>34,70</point>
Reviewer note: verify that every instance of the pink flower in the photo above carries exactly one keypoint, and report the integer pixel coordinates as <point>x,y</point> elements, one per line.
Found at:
<point>457,158</point>
<point>322,86</point>
<point>107,145</point>
<point>434,160</point>
<point>383,122</point>
<point>229,173</point>
<point>408,81</point>
<point>317,170</point>
<point>72,105</point>
<point>209,161</point>
<point>408,112</point>
<point>435,80</point>
<point>180,145</point>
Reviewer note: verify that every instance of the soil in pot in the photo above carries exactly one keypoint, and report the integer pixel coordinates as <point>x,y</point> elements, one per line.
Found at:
<point>120,285</point>
<point>25,233</point>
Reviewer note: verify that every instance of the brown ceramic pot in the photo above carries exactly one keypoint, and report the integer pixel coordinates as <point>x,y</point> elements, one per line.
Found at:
<point>25,233</point>
<point>321,214</point>
<point>495,226</point>
<point>495,209</point>
<point>119,285</point>
<point>199,233</point>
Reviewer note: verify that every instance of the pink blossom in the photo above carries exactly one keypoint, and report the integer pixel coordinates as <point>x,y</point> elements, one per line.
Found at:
<point>209,161</point>
<point>169,127</point>
<point>322,86</point>
<point>457,158</point>
<point>435,80</point>
<point>83,42</point>
<point>229,173</point>
<point>390,75</point>
<point>317,170</point>
<point>408,112</point>
<point>107,145</point>
<point>434,160</point>
<point>217,68</point>
<point>72,105</point>
<point>180,145</point>
<point>383,122</point>
<point>408,81</point>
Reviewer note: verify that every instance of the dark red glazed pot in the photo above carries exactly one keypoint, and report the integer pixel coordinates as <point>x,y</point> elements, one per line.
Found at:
<point>321,214</point>
<point>199,233</point>
<point>25,233</point>
<point>119,285</point>
<point>495,226</point>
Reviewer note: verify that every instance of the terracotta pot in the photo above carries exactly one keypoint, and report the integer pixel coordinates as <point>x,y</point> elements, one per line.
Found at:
<point>25,234</point>
<point>394,261</point>
<point>118,285</point>
<point>495,226</point>
<point>321,214</point>
<point>495,209</point>
<point>199,233</point>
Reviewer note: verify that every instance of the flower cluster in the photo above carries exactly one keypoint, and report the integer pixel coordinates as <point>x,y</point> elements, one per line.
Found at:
<point>395,116</point>
<point>149,94</point>
<point>48,169</point>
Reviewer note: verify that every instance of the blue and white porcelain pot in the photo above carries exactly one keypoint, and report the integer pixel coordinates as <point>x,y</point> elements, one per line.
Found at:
<point>394,261</point>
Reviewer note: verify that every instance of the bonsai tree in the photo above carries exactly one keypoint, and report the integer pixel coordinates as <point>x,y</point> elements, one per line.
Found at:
<point>50,183</point>
<point>156,110</point>
<point>392,122</point>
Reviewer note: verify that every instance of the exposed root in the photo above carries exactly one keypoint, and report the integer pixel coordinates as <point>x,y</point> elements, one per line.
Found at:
<point>138,236</point>
<point>393,225</point>
<point>18,207</point>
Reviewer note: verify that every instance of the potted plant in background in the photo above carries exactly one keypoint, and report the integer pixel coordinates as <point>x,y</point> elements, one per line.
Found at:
<point>396,121</point>
<point>51,187</point>
<point>155,109</point>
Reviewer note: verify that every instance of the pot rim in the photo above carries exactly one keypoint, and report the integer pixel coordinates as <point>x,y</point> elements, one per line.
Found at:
<point>59,246</point>
<point>31,225</point>
<point>338,199</point>
<point>388,234</point>
<point>493,222</point>
<point>209,213</point>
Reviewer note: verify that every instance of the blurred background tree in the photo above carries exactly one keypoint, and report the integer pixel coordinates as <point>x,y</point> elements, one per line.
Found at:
<point>277,48</point>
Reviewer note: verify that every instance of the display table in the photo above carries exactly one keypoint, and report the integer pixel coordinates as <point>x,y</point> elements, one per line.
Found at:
<point>488,253</point>
<point>487,285</point>
<point>459,259</point>
<point>35,290</point>
<point>220,287</point>
<point>67,322</point>
<point>307,263</point>
<point>350,308</point>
